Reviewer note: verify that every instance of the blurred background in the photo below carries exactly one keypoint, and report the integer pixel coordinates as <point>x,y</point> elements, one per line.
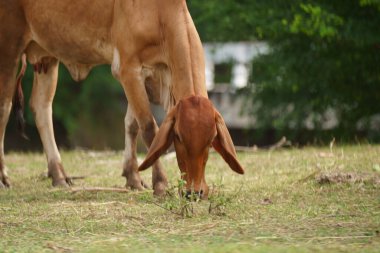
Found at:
<point>307,70</point>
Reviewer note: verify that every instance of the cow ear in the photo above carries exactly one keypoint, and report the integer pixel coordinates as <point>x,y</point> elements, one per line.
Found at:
<point>224,146</point>
<point>161,141</point>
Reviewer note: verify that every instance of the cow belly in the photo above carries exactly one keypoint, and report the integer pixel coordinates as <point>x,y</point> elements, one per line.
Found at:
<point>78,71</point>
<point>71,30</point>
<point>157,81</point>
<point>39,57</point>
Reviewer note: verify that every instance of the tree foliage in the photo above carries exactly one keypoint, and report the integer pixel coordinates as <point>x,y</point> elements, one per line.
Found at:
<point>325,56</point>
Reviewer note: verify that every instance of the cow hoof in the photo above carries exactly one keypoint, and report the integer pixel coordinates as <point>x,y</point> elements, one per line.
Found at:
<point>58,175</point>
<point>145,185</point>
<point>62,183</point>
<point>134,181</point>
<point>138,185</point>
<point>69,181</point>
<point>4,180</point>
<point>159,189</point>
<point>4,183</point>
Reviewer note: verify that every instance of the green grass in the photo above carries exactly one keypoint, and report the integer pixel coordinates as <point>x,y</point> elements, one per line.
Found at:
<point>277,206</point>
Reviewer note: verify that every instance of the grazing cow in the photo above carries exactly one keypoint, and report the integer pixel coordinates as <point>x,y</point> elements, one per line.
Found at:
<point>154,51</point>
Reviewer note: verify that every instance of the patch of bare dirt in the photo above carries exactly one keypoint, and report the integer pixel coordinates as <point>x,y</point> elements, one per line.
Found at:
<point>347,177</point>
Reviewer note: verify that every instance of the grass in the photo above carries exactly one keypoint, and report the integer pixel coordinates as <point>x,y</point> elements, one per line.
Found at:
<point>277,206</point>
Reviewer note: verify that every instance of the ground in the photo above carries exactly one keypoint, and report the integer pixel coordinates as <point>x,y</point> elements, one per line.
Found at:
<point>289,200</point>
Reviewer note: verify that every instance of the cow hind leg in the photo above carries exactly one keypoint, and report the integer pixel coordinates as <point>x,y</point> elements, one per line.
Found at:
<point>43,92</point>
<point>12,42</point>
<point>7,83</point>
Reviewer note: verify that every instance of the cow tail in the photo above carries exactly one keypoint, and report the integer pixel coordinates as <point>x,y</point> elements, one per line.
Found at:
<point>18,99</point>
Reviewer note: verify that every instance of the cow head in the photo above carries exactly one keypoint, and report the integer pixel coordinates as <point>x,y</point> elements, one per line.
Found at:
<point>193,125</point>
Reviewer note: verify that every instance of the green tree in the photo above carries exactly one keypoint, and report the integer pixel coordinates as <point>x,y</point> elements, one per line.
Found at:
<point>324,55</point>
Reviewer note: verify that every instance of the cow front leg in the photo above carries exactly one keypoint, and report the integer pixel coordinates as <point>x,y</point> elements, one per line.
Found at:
<point>44,86</point>
<point>159,179</point>
<point>138,102</point>
<point>130,167</point>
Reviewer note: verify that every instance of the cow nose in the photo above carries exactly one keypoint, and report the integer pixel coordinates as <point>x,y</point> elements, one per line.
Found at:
<point>193,195</point>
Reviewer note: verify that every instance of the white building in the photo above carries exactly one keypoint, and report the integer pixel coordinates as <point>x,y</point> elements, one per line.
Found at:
<point>240,54</point>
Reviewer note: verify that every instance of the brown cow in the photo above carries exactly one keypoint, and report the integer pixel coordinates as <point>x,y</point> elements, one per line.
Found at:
<point>154,51</point>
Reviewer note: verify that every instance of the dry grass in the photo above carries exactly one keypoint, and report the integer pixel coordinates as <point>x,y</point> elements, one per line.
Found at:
<point>278,206</point>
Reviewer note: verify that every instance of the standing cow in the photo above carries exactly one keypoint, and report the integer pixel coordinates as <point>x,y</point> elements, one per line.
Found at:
<point>156,54</point>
